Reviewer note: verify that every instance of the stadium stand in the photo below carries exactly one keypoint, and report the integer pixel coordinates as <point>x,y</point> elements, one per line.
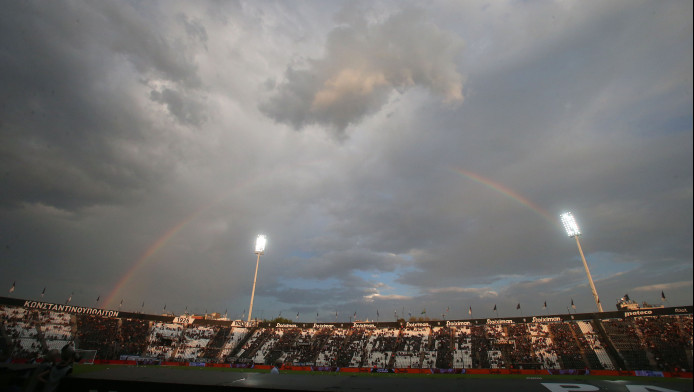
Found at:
<point>614,342</point>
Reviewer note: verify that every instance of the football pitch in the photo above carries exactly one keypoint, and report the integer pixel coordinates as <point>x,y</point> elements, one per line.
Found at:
<point>152,378</point>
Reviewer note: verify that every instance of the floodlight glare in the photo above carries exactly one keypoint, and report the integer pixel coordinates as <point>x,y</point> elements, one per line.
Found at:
<point>569,222</point>
<point>567,219</point>
<point>260,244</point>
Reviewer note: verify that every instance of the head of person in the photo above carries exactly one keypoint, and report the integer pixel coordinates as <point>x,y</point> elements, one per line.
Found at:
<point>68,355</point>
<point>53,356</point>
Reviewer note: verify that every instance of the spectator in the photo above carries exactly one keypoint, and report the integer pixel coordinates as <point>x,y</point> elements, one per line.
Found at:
<point>276,368</point>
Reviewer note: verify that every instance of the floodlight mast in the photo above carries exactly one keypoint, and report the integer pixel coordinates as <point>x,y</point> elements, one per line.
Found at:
<point>260,243</point>
<point>572,230</point>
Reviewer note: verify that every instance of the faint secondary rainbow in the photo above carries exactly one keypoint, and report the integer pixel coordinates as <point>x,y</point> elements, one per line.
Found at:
<point>508,192</point>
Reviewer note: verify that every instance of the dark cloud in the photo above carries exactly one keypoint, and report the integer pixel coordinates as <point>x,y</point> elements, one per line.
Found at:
<point>131,140</point>
<point>363,64</point>
<point>74,132</point>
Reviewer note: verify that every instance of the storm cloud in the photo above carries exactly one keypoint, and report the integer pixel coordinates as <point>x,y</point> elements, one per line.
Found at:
<point>143,146</point>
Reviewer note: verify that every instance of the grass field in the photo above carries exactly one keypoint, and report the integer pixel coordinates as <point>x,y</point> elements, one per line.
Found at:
<point>83,369</point>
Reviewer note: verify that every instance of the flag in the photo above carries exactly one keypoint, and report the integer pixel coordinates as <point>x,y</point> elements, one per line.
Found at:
<point>424,311</point>
<point>164,306</point>
<point>12,288</point>
<point>43,292</point>
<point>469,311</point>
<point>121,303</point>
<point>518,306</point>
<point>495,307</point>
<point>280,315</point>
<point>662,296</point>
<point>98,298</point>
<point>377,314</point>
<point>409,314</point>
<point>335,315</point>
<point>297,314</point>
<point>545,305</point>
<point>626,297</point>
<point>572,304</point>
<point>143,304</point>
<point>355,315</point>
<point>316,315</point>
<point>448,309</point>
<point>69,299</point>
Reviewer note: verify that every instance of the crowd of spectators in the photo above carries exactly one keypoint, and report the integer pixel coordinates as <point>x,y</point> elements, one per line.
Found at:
<point>668,339</point>
<point>98,333</point>
<point>565,347</point>
<point>626,340</point>
<point>643,343</point>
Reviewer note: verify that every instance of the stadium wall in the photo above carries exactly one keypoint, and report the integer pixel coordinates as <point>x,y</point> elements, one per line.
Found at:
<point>669,311</point>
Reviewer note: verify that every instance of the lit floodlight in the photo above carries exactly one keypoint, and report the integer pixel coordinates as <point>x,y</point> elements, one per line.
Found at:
<point>260,243</point>
<point>567,219</point>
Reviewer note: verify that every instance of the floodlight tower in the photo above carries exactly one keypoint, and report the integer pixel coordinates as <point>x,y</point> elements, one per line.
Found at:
<point>567,219</point>
<point>260,243</point>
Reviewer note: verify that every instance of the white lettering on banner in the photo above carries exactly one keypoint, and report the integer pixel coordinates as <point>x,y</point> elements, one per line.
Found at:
<point>638,313</point>
<point>490,321</point>
<point>458,323</point>
<point>286,326</point>
<point>546,319</point>
<point>680,310</point>
<point>409,325</point>
<point>360,325</point>
<point>562,387</point>
<point>323,326</point>
<point>647,388</point>
<point>183,320</point>
<point>70,309</point>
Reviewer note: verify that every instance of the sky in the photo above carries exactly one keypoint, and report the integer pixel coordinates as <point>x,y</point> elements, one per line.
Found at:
<point>400,157</point>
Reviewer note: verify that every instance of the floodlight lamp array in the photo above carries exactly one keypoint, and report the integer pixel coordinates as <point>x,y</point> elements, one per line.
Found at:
<point>260,243</point>
<point>570,225</point>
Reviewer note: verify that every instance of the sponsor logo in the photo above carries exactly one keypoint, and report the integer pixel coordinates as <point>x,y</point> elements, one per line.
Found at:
<point>70,309</point>
<point>681,310</point>
<point>286,326</point>
<point>410,325</point>
<point>457,323</point>
<point>638,313</point>
<point>490,321</point>
<point>360,325</point>
<point>323,326</point>
<point>546,319</point>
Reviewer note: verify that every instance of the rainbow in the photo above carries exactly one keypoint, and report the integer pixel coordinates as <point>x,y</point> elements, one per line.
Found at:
<point>508,192</point>
<point>151,251</point>
<point>168,234</point>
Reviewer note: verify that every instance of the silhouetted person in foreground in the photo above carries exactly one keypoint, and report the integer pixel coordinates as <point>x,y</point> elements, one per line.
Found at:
<point>51,378</point>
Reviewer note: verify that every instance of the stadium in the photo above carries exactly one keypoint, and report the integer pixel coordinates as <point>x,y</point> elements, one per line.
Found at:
<point>417,164</point>
<point>655,342</point>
